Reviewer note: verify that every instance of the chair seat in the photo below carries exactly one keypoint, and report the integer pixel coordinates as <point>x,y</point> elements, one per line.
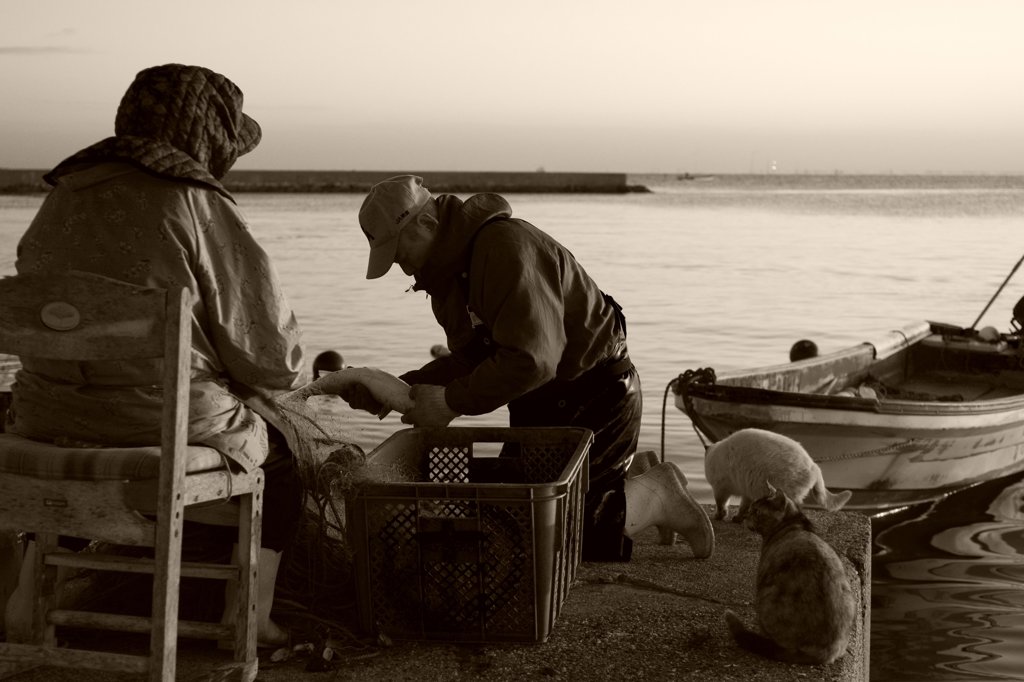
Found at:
<point>27,457</point>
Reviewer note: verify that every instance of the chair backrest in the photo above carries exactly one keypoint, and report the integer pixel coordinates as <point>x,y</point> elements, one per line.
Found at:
<point>83,316</point>
<point>80,316</point>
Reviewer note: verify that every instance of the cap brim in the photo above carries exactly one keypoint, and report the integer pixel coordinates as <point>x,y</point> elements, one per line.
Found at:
<point>382,257</point>
<point>249,136</point>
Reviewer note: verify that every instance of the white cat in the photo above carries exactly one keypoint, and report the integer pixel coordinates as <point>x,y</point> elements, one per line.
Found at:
<point>740,463</point>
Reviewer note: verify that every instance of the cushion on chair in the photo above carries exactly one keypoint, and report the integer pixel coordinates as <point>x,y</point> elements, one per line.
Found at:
<point>44,460</point>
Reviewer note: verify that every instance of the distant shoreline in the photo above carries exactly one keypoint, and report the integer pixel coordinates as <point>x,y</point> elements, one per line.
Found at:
<point>21,181</point>
<point>29,181</point>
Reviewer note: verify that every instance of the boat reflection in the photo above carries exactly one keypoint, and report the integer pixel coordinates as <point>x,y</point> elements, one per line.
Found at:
<point>948,587</point>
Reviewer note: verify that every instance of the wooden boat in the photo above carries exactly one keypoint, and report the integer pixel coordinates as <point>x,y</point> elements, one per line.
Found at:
<point>923,411</point>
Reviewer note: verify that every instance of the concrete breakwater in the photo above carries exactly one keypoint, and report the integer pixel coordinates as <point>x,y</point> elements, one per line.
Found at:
<point>437,181</point>
<point>15,181</point>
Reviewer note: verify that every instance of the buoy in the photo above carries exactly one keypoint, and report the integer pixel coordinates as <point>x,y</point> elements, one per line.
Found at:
<point>328,361</point>
<point>990,334</point>
<point>803,349</point>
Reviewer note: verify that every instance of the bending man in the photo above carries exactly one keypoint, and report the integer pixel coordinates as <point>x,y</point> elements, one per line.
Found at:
<point>527,328</point>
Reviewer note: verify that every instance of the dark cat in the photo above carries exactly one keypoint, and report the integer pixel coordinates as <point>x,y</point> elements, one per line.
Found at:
<point>805,604</point>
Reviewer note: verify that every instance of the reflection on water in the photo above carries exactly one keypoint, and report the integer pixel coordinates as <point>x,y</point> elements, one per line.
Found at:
<point>948,587</point>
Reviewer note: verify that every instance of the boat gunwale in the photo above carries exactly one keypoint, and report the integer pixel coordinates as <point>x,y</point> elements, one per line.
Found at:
<point>763,397</point>
<point>837,368</point>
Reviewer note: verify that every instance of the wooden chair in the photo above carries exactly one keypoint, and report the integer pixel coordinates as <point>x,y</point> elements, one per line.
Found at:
<point>108,494</point>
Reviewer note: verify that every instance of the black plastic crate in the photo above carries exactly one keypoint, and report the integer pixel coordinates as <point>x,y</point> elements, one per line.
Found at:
<point>454,542</point>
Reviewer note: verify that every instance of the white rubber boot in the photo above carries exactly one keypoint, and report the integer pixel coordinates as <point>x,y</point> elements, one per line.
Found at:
<point>18,610</point>
<point>268,633</point>
<point>658,497</point>
<point>642,462</point>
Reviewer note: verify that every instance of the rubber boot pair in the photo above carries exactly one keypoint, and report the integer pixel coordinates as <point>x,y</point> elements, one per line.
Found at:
<point>657,495</point>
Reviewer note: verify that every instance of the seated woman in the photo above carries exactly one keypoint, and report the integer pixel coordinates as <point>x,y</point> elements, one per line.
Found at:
<point>147,206</point>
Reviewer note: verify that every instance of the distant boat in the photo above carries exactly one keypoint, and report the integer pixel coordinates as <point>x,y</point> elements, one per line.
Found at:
<point>921,412</point>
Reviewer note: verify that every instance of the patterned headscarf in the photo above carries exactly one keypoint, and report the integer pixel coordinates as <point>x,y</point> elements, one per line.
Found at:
<point>177,121</point>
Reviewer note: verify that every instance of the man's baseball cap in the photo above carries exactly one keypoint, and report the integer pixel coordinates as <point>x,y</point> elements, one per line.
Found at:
<point>390,206</point>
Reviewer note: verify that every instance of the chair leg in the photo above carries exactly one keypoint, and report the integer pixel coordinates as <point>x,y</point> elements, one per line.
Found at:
<point>249,537</point>
<point>166,578</point>
<point>241,595</point>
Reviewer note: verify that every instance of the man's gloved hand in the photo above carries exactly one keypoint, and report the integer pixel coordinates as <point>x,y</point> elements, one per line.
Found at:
<point>429,407</point>
<point>359,397</point>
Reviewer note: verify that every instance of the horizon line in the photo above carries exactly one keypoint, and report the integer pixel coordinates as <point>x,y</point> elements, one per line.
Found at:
<point>541,171</point>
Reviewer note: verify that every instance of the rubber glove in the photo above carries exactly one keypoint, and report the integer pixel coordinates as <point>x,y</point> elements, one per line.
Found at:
<point>429,407</point>
<point>359,397</point>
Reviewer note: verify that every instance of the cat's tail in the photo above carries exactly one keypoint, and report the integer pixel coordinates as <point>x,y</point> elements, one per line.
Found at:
<point>763,646</point>
<point>829,500</point>
<point>752,641</point>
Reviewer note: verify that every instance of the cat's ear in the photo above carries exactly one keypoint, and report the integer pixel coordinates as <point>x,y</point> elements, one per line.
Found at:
<point>771,488</point>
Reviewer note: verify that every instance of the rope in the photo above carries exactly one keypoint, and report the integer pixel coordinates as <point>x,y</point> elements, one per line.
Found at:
<point>664,404</point>
<point>680,385</point>
<point>692,377</point>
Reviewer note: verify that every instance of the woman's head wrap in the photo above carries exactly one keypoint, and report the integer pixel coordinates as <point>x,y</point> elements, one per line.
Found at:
<point>177,121</point>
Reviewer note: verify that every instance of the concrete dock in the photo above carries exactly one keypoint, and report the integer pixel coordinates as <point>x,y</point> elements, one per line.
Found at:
<point>657,617</point>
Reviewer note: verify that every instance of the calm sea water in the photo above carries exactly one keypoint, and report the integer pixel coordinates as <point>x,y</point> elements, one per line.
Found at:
<point>728,272</point>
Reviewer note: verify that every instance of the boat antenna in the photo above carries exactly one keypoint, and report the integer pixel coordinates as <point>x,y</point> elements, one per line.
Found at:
<point>996,295</point>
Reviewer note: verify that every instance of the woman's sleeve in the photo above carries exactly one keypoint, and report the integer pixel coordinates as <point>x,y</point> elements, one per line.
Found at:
<point>253,329</point>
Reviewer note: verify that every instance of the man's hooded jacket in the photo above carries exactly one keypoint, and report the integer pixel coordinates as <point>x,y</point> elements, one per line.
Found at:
<point>517,308</point>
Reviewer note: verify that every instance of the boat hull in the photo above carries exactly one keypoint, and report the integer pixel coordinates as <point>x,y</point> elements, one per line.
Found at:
<point>885,460</point>
<point>889,452</point>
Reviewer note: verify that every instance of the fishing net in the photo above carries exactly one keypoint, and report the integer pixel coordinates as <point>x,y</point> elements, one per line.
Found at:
<point>315,596</point>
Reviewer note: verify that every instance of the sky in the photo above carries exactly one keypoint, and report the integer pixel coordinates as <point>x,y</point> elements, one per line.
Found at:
<point>645,86</point>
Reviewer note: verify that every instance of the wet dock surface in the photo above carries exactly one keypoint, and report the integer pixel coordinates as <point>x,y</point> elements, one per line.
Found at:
<point>657,617</point>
